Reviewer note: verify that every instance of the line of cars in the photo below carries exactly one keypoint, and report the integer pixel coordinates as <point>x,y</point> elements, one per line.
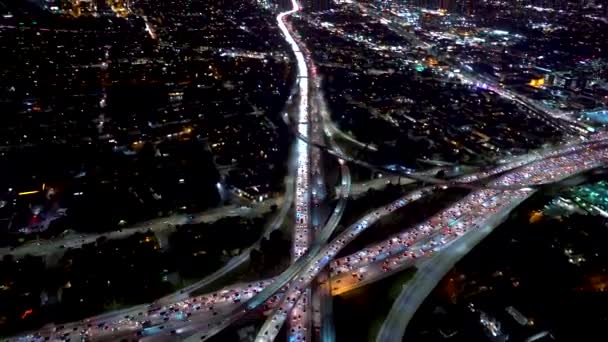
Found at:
<point>448,225</point>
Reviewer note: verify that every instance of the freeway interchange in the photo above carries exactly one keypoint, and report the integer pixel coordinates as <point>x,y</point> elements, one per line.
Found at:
<point>287,297</point>
<point>202,314</point>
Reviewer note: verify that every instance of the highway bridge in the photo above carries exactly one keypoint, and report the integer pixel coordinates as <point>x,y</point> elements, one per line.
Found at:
<point>203,316</point>
<point>432,245</point>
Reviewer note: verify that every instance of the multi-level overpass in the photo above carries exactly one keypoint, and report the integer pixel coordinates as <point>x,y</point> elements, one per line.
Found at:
<point>195,318</point>
<point>479,209</point>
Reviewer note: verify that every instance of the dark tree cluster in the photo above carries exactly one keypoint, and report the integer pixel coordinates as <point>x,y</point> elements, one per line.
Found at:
<point>273,255</point>
<point>199,249</point>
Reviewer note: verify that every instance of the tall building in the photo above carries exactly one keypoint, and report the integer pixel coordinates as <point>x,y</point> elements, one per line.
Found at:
<point>316,5</point>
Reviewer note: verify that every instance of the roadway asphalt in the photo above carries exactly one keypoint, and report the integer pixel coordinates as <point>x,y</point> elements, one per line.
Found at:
<point>279,283</point>
<point>457,219</point>
<point>45,247</point>
<point>303,193</point>
<point>488,203</point>
<point>436,233</point>
<point>309,179</point>
<point>237,261</point>
<point>304,277</point>
<point>306,316</point>
<point>428,274</point>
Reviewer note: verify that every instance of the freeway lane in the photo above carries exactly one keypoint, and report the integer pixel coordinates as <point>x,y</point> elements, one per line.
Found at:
<point>295,290</point>
<point>286,203</point>
<point>428,275</point>
<point>546,170</point>
<point>302,234</point>
<point>278,284</point>
<point>480,205</point>
<point>243,257</point>
<point>303,318</point>
<point>561,116</point>
<point>457,219</point>
<point>161,319</point>
<point>235,262</point>
<point>302,200</point>
<point>473,182</point>
<point>276,222</point>
<point>419,249</point>
<point>299,319</point>
<point>305,174</point>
